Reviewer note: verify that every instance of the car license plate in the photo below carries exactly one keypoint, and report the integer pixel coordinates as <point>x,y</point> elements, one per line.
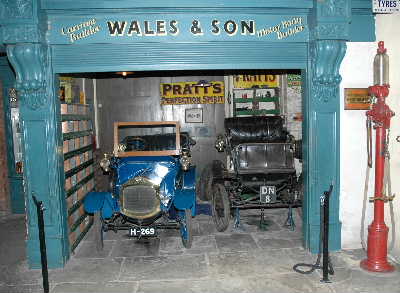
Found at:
<point>267,193</point>
<point>143,231</point>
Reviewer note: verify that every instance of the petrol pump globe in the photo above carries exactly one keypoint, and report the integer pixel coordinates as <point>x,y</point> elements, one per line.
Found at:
<point>381,66</point>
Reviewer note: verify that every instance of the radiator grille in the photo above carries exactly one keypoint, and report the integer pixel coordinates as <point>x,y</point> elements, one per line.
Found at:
<point>140,201</point>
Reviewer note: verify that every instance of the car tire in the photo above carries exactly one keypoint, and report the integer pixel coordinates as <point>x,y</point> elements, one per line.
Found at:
<point>300,192</point>
<point>205,184</point>
<point>300,187</point>
<point>98,231</point>
<point>221,209</point>
<point>298,149</point>
<point>186,229</point>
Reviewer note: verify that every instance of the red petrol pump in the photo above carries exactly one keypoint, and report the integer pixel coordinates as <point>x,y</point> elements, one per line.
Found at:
<point>380,115</point>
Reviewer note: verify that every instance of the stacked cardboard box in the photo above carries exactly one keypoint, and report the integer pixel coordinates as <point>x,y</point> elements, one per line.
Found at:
<point>78,167</point>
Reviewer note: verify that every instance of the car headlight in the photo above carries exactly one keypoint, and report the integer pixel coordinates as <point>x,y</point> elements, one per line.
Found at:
<point>105,163</point>
<point>185,160</point>
<point>220,143</point>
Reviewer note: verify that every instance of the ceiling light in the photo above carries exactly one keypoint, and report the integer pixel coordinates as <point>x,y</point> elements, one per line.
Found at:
<point>125,73</point>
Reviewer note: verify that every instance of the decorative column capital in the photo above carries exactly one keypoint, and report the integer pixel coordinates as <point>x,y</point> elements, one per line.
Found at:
<point>30,62</point>
<point>16,10</point>
<point>331,19</point>
<point>21,22</point>
<point>326,57</point>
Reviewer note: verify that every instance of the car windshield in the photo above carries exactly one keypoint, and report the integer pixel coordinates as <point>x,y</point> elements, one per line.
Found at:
<point>148,138</point>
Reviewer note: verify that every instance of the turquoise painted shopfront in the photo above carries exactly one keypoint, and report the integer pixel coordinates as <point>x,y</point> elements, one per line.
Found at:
<point>45,38</point>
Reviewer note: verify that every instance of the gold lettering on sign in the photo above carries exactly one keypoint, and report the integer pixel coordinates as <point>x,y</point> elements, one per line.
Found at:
<point>81,30</point>
<point>284,29</point>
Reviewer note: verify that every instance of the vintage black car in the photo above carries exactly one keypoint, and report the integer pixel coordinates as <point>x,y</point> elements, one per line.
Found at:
<point>261,174</point>
<point>152,182</point>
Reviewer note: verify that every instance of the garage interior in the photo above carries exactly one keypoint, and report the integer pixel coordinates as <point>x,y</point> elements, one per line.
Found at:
<point>139,96</point>
<point>58,124</point>
<point>249,258</point>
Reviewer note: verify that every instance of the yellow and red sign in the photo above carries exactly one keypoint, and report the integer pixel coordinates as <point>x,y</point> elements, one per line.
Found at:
<point>259,80</point>
<point>180,93</point>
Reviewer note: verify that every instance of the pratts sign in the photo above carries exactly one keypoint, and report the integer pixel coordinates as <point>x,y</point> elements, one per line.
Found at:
<point>179,28</point>
<point>179,93</point>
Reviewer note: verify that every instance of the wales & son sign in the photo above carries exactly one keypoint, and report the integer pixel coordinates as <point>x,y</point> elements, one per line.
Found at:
<point>272,28</point>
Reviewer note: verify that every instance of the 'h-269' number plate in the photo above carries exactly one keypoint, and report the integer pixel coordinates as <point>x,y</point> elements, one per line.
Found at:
<point>267,193</point>
<point>139,232</point>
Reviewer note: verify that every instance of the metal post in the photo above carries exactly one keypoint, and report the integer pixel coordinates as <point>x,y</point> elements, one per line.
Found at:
<point>327,268</point>
<point>325,243</point>
<point>42,239</point>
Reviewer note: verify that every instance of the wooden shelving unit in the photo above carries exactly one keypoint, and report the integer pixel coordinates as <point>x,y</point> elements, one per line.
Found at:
<point>78,167</point>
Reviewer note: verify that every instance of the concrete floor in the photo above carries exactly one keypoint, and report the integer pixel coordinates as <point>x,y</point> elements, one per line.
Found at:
<point>234,261</point>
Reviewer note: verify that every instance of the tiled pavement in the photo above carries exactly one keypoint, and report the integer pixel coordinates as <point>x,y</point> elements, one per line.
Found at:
<point>234,261</point>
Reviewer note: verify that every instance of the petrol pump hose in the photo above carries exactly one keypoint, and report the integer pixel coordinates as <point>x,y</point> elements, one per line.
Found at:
<point>387,186</point>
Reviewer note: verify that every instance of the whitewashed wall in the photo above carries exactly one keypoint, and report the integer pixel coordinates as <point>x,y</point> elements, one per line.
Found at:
<point>356,71</point>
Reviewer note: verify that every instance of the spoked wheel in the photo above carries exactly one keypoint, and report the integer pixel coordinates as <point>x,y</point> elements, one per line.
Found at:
<point>186,228</point>
<point>220,207</point>
<point>98,231</point>
<point>300,194</point>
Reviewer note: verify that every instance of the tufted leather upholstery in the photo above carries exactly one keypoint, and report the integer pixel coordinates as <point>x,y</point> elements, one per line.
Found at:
<point>255,129</point>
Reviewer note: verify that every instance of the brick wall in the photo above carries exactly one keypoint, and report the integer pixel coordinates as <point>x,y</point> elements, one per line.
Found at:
<point>4,187</point>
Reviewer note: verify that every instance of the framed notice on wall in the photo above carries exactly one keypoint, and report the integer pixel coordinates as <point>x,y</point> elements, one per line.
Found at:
<point>357,99</point>
<point>194,115</point>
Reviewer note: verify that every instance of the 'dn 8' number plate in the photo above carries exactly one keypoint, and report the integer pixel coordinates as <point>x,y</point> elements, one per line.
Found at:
<point>138,232</point>
<point>267,194</point>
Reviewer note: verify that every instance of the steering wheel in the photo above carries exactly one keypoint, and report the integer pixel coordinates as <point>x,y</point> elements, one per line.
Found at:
<point>137,144</point>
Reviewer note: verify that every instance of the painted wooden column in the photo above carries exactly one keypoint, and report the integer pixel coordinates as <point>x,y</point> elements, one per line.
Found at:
<point>326,49</point>
<point>39,114</point>
<point>23,31</point>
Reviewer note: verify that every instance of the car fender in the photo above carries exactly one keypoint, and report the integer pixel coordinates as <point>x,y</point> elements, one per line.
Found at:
<point>185,199</point>
<point>189,179</point>
<point>101,201</point>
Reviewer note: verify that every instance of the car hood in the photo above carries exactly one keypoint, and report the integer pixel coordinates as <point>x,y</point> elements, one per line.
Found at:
<point>153,168</point>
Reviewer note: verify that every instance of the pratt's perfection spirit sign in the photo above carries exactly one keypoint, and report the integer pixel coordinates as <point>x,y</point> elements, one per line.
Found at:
<point>179,93</point>
<point>178,27</point>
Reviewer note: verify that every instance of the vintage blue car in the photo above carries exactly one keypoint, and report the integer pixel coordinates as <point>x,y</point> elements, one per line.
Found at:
<point>152,182</point>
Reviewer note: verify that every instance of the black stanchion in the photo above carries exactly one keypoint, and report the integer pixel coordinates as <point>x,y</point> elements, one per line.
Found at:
<point>42,239</point>
<point>327,268</point>
<point>325,243</point>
